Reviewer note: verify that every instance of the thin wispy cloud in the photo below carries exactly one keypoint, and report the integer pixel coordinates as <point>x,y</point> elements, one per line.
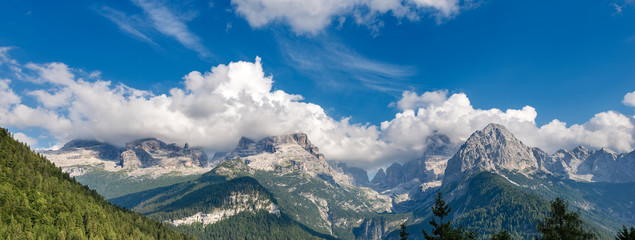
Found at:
<point>156,17</point>
<point>166,22</point>
<point>126,23</point>
<point>334,64</point>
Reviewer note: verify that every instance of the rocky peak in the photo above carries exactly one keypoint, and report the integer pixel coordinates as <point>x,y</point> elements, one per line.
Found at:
<point>148,152</point>
<point>103,150</point>
<point>380,176</point>
<point>580,152</point>
<point>249,147</point>
<point>285,154</point>
<point>600,163</point>
<point>492,149</point>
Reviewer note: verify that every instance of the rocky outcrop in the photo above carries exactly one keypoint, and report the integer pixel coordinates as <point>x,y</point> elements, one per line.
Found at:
<point>375,228</point>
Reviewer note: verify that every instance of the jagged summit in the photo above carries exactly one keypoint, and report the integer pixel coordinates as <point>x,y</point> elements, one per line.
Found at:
<point>147,152</point>
<point>493,148</point>
<point>286,153</point>
<point>247,147</point>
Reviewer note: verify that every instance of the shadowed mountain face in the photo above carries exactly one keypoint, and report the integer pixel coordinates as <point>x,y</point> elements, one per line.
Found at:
<point>429,168</point>
<point>105,151</point>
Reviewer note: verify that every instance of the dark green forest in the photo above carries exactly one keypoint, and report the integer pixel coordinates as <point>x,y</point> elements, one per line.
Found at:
<point>247,225</point>
<point>39,201</point>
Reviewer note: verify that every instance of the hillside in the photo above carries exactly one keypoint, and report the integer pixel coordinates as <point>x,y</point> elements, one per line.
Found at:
<point>39,201</point>
<point>215,207</point>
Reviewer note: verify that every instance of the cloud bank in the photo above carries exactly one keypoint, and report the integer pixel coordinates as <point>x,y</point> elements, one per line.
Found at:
<point>214,109</point>
<point>311,16</point>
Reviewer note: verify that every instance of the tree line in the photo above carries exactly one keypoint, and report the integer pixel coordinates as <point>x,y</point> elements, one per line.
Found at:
<point>559,224</point>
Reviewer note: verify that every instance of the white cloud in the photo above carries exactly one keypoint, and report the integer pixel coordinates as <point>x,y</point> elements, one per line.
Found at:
<point>629,99</point>
<point>168,23</point>
<point>311,16</point>
<point>457,118</point>
<point>25,139</point>
<point>126,23</point>
<point>332,64</point>
<point>410,100</point>
<point>215,108</point>
<point>158,16</point>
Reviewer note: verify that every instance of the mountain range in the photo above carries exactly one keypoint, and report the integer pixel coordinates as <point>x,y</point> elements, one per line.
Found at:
<point>493,181</point>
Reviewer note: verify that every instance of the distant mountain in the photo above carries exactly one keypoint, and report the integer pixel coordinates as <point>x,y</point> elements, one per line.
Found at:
<point>149,152</point>
<point>358,175</point>
<point>601,165</point>
<point>407,184</point>
<point>39,201</point>
<point>142,164</point>
<point>430,167</point>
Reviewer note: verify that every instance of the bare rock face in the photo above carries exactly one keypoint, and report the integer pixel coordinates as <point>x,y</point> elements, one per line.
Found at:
<point>148,152</point>
<point>492,149</point>
<point>248,147</point>
<point>359,175</point>
<point>286,153</point>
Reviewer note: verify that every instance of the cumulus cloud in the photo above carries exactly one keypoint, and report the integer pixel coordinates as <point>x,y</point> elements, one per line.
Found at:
<point>25,139</point>
<point>215,108</point>
<point>410,100</point>
<point>629,99</point>
<point>454,116</point>
<point>311,16</point>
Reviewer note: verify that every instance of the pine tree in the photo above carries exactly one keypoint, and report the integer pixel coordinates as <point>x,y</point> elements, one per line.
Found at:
<point>502,235</point>
<point>445,231</point>
<point>562,224</point>
<point>403,235</point>
<point>626,233</point>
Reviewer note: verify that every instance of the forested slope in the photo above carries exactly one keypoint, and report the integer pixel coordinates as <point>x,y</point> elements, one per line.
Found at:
<point>39,201</point>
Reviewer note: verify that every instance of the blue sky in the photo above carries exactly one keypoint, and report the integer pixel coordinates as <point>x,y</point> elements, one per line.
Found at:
<point>568,60</point>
